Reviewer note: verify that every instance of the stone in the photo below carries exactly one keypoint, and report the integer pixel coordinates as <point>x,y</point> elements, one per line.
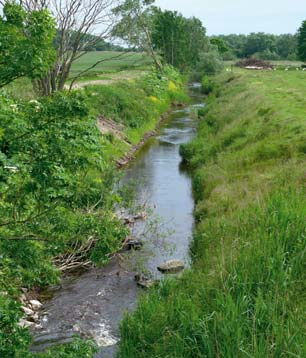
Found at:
<point>27,311</point>
<point>36,305</point>
<point>34,318</point>
<point>171,266</point>
<point>23,298</point>
<point>145,282</point>
<point>134,244</point>
<point>141,216</point>
<point>25,324</point>
<point>127,220</point>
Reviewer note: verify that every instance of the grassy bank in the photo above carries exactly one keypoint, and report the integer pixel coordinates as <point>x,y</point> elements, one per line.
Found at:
<point>57,187</point>
<point>245,293</point>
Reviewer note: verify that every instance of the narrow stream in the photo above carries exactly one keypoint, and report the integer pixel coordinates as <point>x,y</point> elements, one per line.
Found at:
<point>94,303</point>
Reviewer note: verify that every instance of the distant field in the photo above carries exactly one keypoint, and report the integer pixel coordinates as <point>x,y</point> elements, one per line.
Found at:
<point>111,62</point>
<point>275,63</point>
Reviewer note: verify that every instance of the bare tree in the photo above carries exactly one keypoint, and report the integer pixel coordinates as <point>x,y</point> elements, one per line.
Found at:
<point>76,20</point>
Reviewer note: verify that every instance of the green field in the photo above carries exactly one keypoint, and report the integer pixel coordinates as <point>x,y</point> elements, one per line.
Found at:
<point>277,64</point>
<point>111,62</point>
<point>245,295</point>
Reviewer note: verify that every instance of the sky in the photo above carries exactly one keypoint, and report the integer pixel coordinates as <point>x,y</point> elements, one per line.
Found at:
<point>242,16</point>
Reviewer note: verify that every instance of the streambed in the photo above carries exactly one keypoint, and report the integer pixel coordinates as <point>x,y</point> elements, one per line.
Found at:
<point>94,303</point>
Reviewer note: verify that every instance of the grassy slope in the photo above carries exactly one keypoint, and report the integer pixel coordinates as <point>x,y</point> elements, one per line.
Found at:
<point>245,294</point>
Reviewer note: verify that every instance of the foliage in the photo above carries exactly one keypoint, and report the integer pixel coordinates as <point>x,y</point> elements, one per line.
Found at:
<point>12,337</point>
<point>135,26</point>
<point>264,46</point>
<point>58,187</point>
<point>206,85</point>
<point>209,63</point>
<point>245,292</point>
<point>179,40</point>
<point>77,348</point>
<point>26,43</point>
<point>221,45</point>
<point>56,192</point>
<point>302,42</point>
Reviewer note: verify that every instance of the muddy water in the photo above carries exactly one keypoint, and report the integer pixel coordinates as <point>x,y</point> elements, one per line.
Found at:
<point>93,304</point>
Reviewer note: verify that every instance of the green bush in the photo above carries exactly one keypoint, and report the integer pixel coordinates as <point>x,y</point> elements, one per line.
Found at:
<point>210,63</point>
<point>206,85</point>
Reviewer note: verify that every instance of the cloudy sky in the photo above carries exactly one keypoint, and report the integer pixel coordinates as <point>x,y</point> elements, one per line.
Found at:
<point>242,16</point>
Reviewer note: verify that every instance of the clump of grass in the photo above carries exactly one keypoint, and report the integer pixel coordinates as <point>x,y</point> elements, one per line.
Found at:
<point>245,293</point>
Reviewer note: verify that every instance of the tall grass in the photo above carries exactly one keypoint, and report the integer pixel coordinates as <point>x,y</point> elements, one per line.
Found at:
<point>245,293</point>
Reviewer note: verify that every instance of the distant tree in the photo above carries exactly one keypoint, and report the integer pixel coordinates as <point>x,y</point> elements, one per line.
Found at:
<point>220,44</point>
<point>135,26</point>
<point>261,45</point>
<point>286,46</point>
<point>25,43</point>
<point>259,42</point>
<point>301,39</point>
<point>209,63</point>
<point>178,39</point>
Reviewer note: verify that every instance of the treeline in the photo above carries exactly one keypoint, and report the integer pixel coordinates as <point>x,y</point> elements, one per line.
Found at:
<point>260,45</point>
<point>89,42</point>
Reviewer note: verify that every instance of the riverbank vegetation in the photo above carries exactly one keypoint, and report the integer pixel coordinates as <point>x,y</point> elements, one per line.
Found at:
<point>58,151</point>
<point>245,292</point>
<point>57,183</point>
<point>57,174</point>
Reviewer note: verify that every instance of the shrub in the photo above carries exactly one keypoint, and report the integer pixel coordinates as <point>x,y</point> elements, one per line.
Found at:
<point>206,85</point>
<point>210,63</point>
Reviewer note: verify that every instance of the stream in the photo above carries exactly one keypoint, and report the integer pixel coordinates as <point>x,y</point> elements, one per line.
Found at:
<point>94,303</point>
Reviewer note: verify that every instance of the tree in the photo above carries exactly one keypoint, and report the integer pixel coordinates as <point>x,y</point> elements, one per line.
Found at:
<point>26,43</point>
<point>178,39</point>
<point>259,42</point>
<point>75,20</point>
<point>221,45</point>
<point>301,39</point>
<point>135,26</point>
<point>286,46</point>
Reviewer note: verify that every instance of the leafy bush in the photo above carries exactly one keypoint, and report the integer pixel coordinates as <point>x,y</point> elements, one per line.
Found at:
<point>210,63</point>
<point>14,340</point>
<point>206,85</point>
<point>57,196</point>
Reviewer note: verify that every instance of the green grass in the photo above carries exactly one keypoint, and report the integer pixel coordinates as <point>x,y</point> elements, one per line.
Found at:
<point>245,293</point>
<point>111,62</point>
<point>21,89</point>
<point>281,64</point>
